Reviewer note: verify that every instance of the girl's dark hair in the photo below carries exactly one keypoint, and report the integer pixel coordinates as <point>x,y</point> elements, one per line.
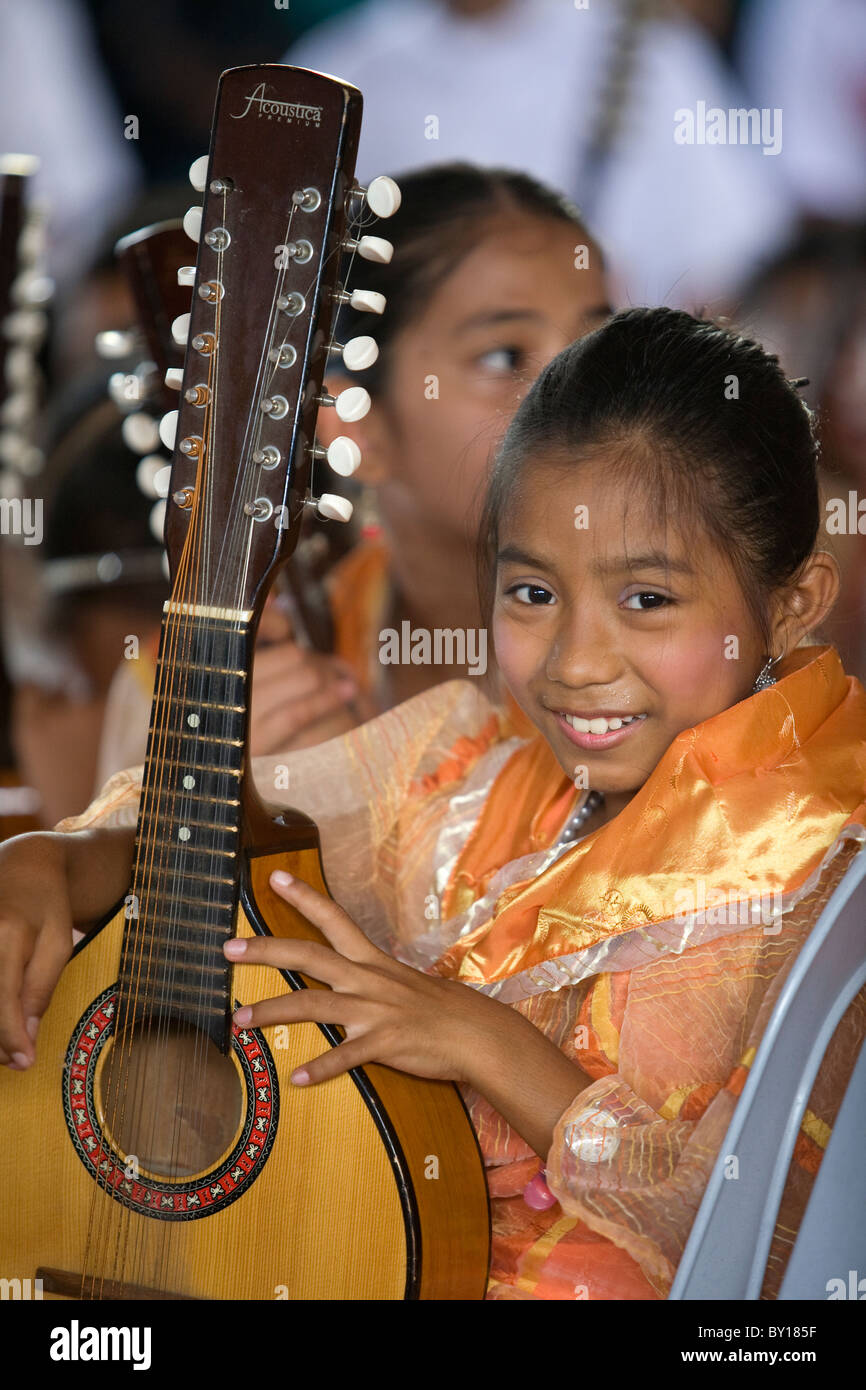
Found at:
<point>701,420</point>
<point>445,211</point>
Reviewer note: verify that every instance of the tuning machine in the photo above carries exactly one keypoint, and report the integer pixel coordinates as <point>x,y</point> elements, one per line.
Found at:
<point>113,344</point>
<point>371,248</point>
<point>351,405</point>
<point>358,353</point>
<point>382,195</point>
<point>342,455</point>
<point>331,507</point>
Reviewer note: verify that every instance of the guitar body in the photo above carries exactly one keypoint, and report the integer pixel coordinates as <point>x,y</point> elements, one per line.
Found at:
<point>367,1186</point>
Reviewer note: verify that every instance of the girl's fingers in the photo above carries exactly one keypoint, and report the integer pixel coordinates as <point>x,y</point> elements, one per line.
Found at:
<point>301,1006</point>
<point>337,1060</point>
<point>50,954</point>
<point>329,917</point>
<point>273,731</point>
<point>309,957</point>
<point>13,961</point>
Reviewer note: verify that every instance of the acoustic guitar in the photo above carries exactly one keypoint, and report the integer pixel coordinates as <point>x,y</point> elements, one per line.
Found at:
<point>155,1150</point>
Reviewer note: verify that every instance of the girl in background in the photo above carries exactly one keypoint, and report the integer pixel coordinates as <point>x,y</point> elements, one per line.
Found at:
<point>492,275</point>
<point>587,929</point>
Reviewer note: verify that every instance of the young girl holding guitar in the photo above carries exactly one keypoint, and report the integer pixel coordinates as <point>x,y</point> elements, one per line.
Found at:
<point>492,275</point>
<point>586,929</point>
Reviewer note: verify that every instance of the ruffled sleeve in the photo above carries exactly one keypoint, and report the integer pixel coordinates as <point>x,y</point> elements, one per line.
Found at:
<point>669,1046</point>
<point>357,789</point>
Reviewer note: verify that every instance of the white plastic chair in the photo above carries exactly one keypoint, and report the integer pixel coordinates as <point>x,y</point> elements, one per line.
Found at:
<point>726,1253</point>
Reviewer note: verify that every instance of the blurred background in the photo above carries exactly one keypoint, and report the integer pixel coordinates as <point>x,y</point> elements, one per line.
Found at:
<point>115,99</point>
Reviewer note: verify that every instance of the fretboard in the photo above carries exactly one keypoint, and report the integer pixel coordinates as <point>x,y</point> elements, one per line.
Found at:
<point>185,882</point>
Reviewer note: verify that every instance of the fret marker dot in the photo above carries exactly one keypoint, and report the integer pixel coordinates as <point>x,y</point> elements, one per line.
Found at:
<point>189,783</point>
<point>193,721</point>
<point>184,832</point>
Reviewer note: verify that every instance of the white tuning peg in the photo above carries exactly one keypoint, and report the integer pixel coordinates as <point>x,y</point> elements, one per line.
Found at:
<point>162,480</point>
<point>20,367</point>
<point>372,248</point>
<point>192,223</point>
<point>383,196</point>
<point>31,288</point>
<point>33,240</point>
<point>157,519</point>
<point>186,275</point>
<point>11,448</point>
<point>360,353</point>
<point>180,329</point>
<point>140,433</point>
<point>17,409</point>
<point>334,508</point>
<point>18,455</point>
<point>174,378</point>
<point>343,455</point>
<point>168,429</point>
<point>352,404</point>
<point>25,326</point>
<point>198,173</point>
<point>114,343</point>
<point>146,472</point>
<point>368,300</point>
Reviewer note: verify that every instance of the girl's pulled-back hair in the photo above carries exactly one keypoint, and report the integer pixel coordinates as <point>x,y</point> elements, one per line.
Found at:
<point>700,419</point>
<point>445,211</point>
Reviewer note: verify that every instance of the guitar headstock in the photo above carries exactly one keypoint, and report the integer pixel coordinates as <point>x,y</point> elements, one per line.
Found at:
<point>272,232</point>
<point>149,259</point>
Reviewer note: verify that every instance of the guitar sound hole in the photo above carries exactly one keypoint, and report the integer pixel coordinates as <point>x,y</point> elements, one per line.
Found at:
<point>172,1101</point>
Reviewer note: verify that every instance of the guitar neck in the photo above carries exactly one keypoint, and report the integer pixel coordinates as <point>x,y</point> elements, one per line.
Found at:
<point>265,297</point>
<point>188,841</point>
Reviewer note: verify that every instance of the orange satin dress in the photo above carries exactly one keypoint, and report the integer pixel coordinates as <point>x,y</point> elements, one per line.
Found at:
<point>650,952</point>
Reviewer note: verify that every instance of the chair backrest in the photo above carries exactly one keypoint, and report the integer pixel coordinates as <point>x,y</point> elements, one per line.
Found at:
<point>726,1253</point>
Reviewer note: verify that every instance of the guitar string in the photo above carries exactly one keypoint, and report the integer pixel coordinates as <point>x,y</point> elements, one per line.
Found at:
<point>249,446</point>
<point>135,940</point>
<point>215,592</point>
<point>132,940</point>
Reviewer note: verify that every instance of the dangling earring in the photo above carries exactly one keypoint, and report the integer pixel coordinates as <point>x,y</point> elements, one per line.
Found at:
<point>764,678</point>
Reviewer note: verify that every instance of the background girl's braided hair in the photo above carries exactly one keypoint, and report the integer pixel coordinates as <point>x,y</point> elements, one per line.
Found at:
<point>445,212</point>
<point>699,419</point>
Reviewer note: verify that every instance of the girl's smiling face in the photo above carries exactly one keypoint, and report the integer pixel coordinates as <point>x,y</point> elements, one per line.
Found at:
<point>609,613</point>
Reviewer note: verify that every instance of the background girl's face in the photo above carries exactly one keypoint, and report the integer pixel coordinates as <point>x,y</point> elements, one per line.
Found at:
<point>579,630</point>
<point>459,371</point>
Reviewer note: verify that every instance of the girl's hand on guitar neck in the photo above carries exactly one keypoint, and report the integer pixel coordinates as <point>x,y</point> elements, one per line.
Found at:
<point>49,883</point>
<point>300,697</point>
<point>417,1023</point>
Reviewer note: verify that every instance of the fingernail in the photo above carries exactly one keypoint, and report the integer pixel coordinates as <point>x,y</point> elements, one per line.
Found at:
<point>243,1015</point>
<point>21,1062</point>
<point>32,1026</point>
<point>235,947</point>
<point>280,879</point>
<point>300,1077</point>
